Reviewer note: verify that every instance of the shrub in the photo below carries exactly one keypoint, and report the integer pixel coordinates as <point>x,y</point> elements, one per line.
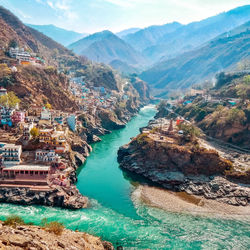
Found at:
<point>9,100</point>
<point>190,132</point>
<point>53,226</point>
<point>142,138</point>
<point>48,106</point>
<point>155,130</point>
<point>34,132</point>
<point>235,115</point>
<point>13,220</point>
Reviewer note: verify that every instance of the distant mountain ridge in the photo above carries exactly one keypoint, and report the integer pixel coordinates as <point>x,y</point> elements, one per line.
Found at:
<point>149,36</point>
<point>190,36</point>
<point>62,36</point>
<point>221,53</point>
<point>106,47</point>
<point>126,32</point>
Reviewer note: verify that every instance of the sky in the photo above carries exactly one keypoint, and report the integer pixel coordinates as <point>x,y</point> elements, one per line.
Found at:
<point>89,16</point>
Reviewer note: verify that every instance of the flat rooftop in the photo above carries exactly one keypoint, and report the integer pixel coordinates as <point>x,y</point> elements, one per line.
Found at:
<point>28,167</point>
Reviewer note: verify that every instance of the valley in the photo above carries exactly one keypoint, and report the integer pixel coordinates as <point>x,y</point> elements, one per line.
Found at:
<point>119,137</point>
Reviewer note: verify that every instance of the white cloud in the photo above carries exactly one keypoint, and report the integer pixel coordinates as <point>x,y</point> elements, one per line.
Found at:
<point>63,9</point>
<point>132,3</point>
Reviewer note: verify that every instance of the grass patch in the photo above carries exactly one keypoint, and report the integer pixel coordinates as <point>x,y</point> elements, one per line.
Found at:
<point>53,227</point>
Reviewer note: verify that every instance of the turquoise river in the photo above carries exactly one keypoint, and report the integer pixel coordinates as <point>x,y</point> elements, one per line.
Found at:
<point>129,223</point>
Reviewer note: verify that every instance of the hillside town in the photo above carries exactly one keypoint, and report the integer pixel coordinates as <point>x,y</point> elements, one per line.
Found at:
<point>34,147</point>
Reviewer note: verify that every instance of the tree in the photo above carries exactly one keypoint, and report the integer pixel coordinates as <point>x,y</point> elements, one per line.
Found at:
<point>4,70</point>
<point>13,100</point>
<point>162,105</point>
<point>13,43</point>
<point>4,100</point>
<point>247,80</point>
<point>34,132</point>
<point>48,106</point>
<point>235,115</point>
<point>190,132</point>
<point>10,100</point>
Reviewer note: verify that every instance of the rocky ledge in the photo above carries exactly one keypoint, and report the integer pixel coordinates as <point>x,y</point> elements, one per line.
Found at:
<point>182,166</point>
<point>59,196</point>
<point>33,237</point>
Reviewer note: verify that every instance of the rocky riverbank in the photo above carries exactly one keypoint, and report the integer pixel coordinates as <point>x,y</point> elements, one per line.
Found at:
<point>180,166</point>
<point>34,237</point>
<point>181,202</point>
<point>66,197</point>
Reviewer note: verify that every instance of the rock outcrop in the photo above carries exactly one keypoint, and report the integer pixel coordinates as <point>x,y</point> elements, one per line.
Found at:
<point>66,197</point>
<point>35,237</point>
<point>182,166</point>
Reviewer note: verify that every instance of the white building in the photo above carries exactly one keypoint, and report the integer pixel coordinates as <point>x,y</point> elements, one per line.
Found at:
<point>47,156</point>
<point>10,153</point>
<point>45,114</point>
<point>19,54</point>
<point>26,130</point>
<point>3,91</point>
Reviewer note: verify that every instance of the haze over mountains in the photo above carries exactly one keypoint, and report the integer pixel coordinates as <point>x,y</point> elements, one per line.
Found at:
<point>106,47</point>
<point>173,55</point>
<point>222,53</point>
<point>65,37</point>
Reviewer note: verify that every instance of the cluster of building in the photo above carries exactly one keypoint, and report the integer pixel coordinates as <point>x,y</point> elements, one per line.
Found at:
<point>24,57</point>
<point>207,97</point>
<point>45,162</point>
<point>44,165</point>
<point>88,98</point>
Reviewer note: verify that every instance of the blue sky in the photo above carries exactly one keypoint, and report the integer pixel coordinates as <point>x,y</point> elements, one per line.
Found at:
<point>95,15</point>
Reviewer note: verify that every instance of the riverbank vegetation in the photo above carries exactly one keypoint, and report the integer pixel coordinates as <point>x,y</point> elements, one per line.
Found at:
<point>223,111</point>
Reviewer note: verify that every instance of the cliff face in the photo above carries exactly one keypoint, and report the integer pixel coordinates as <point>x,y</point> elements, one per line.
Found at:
<point>147,154</point>
<point>33,237</point>
<point>168,161</point>
<point>142,88</point>
<point>58,196</point>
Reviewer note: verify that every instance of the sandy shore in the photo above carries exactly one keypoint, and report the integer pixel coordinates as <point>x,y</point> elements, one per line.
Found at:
<point>181,202</point>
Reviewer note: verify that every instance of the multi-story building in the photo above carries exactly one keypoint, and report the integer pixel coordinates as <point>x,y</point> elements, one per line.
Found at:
<point>45,114</point>
<point>45,135</point>
<point>26,130</point>
<point>18,116</point>
<point>47,156</point>
<point>19,54</point>
<point>10,153</point>
<point>5,116</point>
<point>58,141</point>
<point>34,111</point>
<point>54,139</point>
